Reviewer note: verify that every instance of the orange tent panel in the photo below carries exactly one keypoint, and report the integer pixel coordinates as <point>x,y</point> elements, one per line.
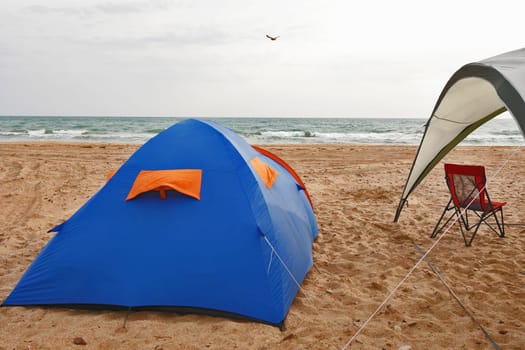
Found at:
<point>185,181</point>
<point>267,174</point>
<point>110,174</point>
<point>287,167</point>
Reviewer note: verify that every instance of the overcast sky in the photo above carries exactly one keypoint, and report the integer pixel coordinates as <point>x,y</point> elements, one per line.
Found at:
<point>211,58</point>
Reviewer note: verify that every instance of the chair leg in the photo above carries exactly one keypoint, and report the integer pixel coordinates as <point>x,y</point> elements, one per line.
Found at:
<point>468,244</point>
<point>483,219</point>
<point>501,226</point>
<point>465,227</point>
<point>438,228</point>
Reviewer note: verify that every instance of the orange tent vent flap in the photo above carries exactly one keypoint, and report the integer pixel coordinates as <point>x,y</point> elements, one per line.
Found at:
<point>185,181</point>
<point>267,174</point>
<point>287,167</point>
<point>110,174</point>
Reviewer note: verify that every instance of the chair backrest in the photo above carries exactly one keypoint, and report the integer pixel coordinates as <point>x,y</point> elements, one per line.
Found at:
<point>467,185</point>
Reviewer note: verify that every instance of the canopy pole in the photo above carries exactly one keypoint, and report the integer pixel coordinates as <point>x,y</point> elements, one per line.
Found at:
<point>400,207</point>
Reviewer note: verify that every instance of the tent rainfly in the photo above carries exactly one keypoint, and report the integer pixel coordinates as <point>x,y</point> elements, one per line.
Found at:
<point>475,94</point>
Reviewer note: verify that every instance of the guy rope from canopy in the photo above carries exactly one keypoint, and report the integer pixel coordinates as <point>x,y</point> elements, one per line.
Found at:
<point>475,94</point>
<point>424,257</point>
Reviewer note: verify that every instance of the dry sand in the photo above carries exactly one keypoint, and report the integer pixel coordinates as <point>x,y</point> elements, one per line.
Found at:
<point>359,256</point>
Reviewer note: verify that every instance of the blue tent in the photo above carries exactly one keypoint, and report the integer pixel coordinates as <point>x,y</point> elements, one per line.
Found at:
<point>240,246</point>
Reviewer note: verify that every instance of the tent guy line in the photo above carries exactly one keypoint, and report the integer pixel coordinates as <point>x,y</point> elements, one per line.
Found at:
<point>424,256</point>
<point>403,280</point>
<point>274,251</point>
<point>455,296</point>
<point>391,294</point>
<point>281,260</point>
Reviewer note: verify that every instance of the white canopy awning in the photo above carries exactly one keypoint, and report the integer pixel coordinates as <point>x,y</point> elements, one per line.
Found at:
<point>476,93</point>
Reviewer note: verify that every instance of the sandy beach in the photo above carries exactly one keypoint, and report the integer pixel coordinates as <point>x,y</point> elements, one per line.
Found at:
<point>360,255</point>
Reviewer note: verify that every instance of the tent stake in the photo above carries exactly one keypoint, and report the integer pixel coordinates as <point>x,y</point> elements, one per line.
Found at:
<point>126,318</point>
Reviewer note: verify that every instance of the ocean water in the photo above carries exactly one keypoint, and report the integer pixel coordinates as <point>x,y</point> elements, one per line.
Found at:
<point>137,130</point>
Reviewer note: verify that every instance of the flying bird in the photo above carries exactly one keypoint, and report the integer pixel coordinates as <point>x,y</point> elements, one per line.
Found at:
<point>272,37</point>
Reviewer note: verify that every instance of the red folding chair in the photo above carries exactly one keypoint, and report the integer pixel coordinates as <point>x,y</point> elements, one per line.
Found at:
<point>468,194</point>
